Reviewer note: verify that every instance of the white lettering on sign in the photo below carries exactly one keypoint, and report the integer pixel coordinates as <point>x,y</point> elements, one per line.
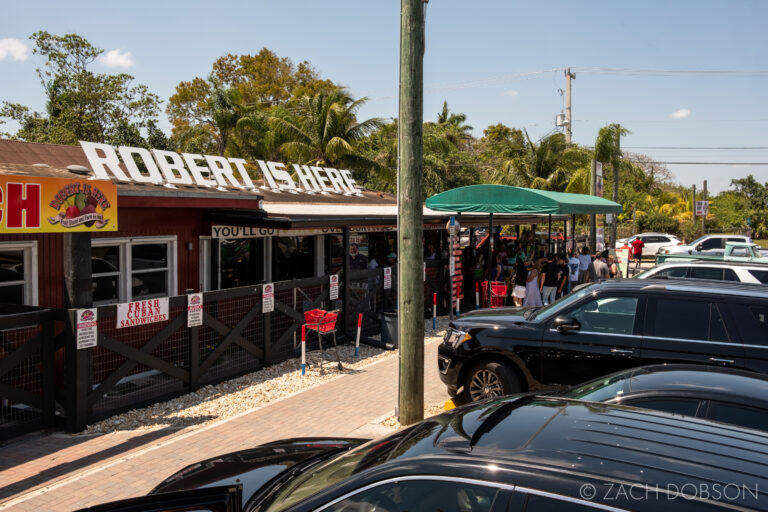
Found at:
<point>142,312</point>
<point>170,168</point>
<point>87,330</point>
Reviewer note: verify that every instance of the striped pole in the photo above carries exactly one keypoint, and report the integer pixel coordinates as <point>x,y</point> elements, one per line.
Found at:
<point>359,326</point>
<point>434,311</point>
<point>303,349</point>
<point>458,306</point>
<point>477,295</point>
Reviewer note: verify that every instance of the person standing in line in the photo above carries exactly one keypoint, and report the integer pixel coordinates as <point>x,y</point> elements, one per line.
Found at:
<point>584,260</point>
<point>573,263</point>
<point>565,271</point>
<point>521,276</point>
<point>613,268</point>
<point>532,292</point>
<point>600,268</point>
<point>550,280</point>
<point>637,250</point>
<point>497,274</point>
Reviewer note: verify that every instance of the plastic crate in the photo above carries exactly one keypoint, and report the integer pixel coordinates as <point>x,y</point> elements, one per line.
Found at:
<point>498,293</point>
<point>320,320</point>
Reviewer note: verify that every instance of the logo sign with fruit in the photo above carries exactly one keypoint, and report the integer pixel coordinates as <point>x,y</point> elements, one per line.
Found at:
<point>32,204</point>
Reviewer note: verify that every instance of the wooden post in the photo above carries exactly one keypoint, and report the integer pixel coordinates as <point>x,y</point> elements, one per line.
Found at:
<point>78,288</point>
<point>410,212</point>
<point>616,165</point>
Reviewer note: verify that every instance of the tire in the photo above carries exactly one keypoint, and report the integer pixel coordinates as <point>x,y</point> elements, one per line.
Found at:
<point>489,379</point>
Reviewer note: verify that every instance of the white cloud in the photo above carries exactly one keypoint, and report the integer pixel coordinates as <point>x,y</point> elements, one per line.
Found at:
<point>511,93</point>
<point>117,59</point>
<point>13,49</point>
<point>680,114</point>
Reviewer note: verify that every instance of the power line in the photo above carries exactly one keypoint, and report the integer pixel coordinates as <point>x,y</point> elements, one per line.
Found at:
<point>698,147</point>
<point>711,163</point>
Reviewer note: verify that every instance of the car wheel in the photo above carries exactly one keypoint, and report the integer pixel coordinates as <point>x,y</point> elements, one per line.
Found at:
<point>489,379</point>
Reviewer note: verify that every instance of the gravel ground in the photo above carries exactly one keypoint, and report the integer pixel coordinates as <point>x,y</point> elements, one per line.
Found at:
<point>255,390</point>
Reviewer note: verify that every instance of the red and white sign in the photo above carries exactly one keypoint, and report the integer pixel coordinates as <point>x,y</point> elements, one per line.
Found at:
<point>387,278</point>
<point>87,331</point>
<point>268,298</point>
<point>702,208</point>
<point>334,291</point>
<point>150,311</point>
<point>194,310</point>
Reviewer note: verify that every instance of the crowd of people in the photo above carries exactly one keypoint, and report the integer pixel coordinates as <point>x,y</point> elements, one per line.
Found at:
<point>540,281</point>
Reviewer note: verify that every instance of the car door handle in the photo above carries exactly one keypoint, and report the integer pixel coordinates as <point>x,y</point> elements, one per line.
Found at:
<point>621,351</point>
<point>718,360</point>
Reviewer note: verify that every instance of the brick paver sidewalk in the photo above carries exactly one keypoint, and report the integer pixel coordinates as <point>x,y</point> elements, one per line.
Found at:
<point>62,472</point>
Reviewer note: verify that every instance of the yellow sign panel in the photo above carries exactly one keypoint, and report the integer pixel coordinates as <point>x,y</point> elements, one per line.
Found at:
<point>31,204</point>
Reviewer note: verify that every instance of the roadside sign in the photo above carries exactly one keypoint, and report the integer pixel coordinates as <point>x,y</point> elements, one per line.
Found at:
<point>194,309</point>
<point>334,291</point>
<point>87,330</point>
<point>387,278</point>
<point>268,298</point>
<point>702,208</point>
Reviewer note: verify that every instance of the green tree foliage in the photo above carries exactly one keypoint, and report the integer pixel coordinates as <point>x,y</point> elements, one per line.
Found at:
<point>81,104</point>
<point>230,109</point>
<point>756,196</point>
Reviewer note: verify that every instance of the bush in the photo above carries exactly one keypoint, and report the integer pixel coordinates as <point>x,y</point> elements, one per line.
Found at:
<point>657,222</point>
<point>690,231</point>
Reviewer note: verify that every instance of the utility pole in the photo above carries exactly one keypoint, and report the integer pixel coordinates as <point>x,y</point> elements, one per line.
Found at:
<point>704,217</point>
<point>616,163</point>
<point>592,217</point>
<point>568,77</point>
<point>410,235</point>
<point>694,206</point>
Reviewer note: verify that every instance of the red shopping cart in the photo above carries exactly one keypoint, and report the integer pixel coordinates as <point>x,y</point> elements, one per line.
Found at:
<point>494,294</point>
<point>324,324</point>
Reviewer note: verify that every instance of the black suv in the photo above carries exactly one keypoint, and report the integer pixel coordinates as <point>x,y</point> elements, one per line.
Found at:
<point>604,328</point>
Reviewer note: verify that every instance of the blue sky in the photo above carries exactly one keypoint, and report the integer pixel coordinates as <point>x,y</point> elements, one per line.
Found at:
<point>495,61</point>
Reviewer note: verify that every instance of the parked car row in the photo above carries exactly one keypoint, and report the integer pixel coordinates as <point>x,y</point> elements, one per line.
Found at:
<point>632,394</point>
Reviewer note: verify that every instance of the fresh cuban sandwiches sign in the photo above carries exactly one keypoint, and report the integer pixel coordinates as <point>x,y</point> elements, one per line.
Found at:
<point>170,169</point>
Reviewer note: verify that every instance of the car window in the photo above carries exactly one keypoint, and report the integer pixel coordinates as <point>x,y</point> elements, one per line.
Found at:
<point>707,273</point>
<point>730,275</point>
<point>717,330</point>
<point>712,243</point>
<point>538,503</point>
<point>740,252</point>
<point>685,406</point>
<point>741,415</point>
<point>674,273</point>
<point>751,322</point>
<point>560,304</point>
<point>424,495</point>
<point>679,318</point>
<point>736,239</point>
<point>598,390</point>
<point>760,275</point>
<point>610,315</point>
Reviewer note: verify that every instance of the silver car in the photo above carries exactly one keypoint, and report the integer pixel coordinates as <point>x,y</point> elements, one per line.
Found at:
<point>709,270</point>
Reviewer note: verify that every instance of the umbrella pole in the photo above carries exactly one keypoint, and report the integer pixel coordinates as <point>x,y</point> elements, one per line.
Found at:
<point>490,246</point>
<point>549,235</point>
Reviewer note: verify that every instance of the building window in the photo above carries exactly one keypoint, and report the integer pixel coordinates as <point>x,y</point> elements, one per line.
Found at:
<point>18,273</point>
<point>133,269</point>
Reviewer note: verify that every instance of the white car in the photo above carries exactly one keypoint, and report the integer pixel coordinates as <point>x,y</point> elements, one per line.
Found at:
<point>709,270</point>
<point>706,244</point>
<point>653,242</point>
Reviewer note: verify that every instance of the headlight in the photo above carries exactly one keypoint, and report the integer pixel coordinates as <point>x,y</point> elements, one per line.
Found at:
<point>456,338</point>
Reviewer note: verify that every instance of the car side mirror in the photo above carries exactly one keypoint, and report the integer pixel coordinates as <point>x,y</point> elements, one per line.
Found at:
<point>566,324</point>
<point>699,247</point>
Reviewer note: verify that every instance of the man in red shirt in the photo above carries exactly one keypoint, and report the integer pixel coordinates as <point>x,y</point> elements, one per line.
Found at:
<point>637,250</point>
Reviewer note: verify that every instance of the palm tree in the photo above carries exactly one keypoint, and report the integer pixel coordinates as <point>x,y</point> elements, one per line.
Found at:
<point>323,130</point>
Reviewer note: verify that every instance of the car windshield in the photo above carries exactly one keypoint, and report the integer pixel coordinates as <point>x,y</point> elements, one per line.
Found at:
<point>367,455</point>
<point>695,242</point>
<point>549,311</point>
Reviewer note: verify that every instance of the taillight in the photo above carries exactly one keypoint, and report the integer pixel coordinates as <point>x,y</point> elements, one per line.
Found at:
<point>679,243</point>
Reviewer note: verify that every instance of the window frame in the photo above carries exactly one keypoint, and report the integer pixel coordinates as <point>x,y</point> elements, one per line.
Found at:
<point>28,249</point>
<point>125,274</point>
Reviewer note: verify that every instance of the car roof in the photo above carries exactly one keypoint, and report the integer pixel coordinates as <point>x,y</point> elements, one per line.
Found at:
<point>684,285</point>
<point>594,438</point>
<point>711,263</point>
<point>697,377</point>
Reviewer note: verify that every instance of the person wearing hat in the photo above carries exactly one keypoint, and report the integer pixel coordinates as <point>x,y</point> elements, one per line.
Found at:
<point>391,259</point>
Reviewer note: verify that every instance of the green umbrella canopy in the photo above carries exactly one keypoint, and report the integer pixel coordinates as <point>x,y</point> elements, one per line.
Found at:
<point>506,199</point>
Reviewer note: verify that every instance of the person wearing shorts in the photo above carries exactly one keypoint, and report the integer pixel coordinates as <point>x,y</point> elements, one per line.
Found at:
<point>637,250</point>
